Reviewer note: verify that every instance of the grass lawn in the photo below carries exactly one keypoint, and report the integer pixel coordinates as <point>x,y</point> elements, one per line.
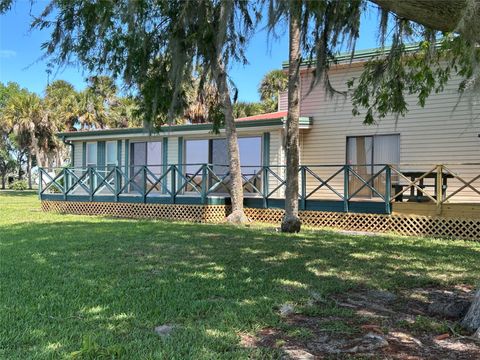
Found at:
<point>93,287</point>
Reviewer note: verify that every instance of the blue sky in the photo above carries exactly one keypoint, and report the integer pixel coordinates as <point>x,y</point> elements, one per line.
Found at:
<point>20,54</point>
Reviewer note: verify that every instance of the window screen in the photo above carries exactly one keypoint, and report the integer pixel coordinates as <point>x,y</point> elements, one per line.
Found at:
<point>111,152</point>
<point>91,154</point>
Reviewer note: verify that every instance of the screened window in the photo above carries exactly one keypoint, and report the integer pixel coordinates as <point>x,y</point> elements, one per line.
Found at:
<point>111,147</point>
<point>196,152</point>
<point>150,154</point>
<point>367,155</point>
<point>214,151</point>
<point>154,156</point>
<point>91,154</point>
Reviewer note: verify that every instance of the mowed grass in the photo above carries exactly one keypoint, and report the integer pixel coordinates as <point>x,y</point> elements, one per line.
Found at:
<point>94,287</point>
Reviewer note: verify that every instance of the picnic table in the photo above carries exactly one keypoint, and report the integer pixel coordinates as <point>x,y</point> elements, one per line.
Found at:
<point>418,195</point>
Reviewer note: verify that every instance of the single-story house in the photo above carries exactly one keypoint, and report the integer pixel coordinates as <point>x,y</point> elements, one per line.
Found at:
<point>426,160</point>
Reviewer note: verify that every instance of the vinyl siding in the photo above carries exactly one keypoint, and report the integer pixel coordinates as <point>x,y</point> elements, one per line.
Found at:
<point>78,154</point>
<point>283,101</point>
<point>444,131</point>
<point>276,158</point>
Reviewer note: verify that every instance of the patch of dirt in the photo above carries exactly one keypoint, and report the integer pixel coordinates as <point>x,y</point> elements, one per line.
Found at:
<point>385,325</point>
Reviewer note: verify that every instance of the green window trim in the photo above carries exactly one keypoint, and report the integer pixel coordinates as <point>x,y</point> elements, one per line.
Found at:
<point>164,160</point>
<point>72,155</point>
<point>180,158</point>
<point>101,156</point>
<point>119,153</point>
<point>84,155</point>
<point>127,155</point>
<point>266,160</point>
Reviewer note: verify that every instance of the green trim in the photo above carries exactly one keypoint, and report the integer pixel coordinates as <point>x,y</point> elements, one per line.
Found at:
<point>304,120</point>
<point>119,152</point>
<point>362,55</point>
<point>164,161</point>
<point>72,154</point>
<point>266,162</point>
<point>84,154</point>
<point>127,154</point>
<point>101,155</point>
<point>168,129</point>
<point>180,159</point>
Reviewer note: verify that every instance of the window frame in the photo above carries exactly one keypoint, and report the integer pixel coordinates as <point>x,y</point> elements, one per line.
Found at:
<point>209,147</point>
<point>373,136</point>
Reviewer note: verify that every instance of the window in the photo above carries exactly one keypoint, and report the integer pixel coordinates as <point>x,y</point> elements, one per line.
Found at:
<point>367,154</point>
<point>150,154</point>
<point>154,157</point>
<point>214,151</point>
<point>196,152</point>
<point>111,147</point>
<point>91,154</point>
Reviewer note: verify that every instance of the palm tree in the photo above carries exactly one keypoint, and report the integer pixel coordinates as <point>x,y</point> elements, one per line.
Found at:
<point>62,103</point>
<point>317,28</point>
<point>271,85</point>
<point>210,34</point>
<point>22,113</point>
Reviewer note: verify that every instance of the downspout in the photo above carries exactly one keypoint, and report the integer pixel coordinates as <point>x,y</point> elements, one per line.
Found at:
<point>69,143</point>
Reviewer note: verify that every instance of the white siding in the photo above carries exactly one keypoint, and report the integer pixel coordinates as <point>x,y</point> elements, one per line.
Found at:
<point>444,131</point>
<point>78,154</point>
<point>172,153</point>
<point>276,158</point>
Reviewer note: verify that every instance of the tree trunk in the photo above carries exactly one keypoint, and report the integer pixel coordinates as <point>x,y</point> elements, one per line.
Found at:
<point>29,170</point>
<point>236,184</point>
<point>4,181</point>
<point>218,66</point>
<point>471,321</point>
<point>291,221</point>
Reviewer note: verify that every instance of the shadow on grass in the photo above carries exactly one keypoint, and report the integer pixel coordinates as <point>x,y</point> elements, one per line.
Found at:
<point>22,193</point>
<point>116,280</point>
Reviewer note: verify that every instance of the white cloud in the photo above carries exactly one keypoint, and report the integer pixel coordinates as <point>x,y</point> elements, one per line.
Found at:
<point>5,54</point>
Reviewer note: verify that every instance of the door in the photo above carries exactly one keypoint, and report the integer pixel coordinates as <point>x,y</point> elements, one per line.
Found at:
<point>360,156</point>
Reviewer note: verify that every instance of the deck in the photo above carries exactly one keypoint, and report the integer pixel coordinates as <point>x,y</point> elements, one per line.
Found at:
<point>370,188</point>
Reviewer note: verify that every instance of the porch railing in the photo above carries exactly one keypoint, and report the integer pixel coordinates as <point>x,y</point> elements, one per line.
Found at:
<point>345,183</point>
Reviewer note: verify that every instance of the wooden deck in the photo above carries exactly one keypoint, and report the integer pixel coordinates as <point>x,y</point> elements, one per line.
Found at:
<point>453,210</point>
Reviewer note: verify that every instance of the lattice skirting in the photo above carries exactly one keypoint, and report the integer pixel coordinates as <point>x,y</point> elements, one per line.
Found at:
<point>468,229</point>
<point>193,213</point>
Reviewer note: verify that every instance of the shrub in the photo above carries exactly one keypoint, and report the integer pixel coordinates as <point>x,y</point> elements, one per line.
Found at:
<point>19,185</point>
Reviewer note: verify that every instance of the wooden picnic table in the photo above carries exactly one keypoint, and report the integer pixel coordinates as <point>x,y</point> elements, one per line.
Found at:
<point>415,174</point>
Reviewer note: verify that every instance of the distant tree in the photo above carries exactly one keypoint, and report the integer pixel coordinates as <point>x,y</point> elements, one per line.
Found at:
<point>22,113</point>
<point>272,84</point>
<point>7,161</point>
<point>243,109</point>
<point>154,47</point>
<point>62,103</point>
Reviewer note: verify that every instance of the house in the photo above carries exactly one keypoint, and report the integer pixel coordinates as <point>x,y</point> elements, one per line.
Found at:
<point>424,164</point>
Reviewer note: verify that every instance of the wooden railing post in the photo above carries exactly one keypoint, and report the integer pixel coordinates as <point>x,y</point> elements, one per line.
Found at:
<point>204,183</point>
<point>439,188</point>
<point>92,184</point>
<point>117,183</point>
<point>303,200</point>
<point>265,186</point>
<point>40,183</point>
<point>144,185</point>
<point>173,180</point>
<point>65,183</point>
<point>388,188</point>
<point>345,187</point>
